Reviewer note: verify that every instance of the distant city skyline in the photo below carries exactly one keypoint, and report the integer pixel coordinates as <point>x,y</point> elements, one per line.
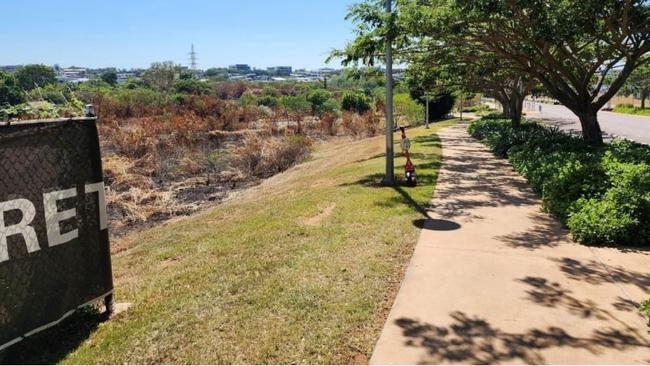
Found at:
<point>123,34</point>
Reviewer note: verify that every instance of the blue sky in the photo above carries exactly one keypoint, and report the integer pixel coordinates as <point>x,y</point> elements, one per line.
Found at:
<point>135,33</point>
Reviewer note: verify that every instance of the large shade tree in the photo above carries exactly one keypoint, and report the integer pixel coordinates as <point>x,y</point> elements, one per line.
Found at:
<point>443,61</point>
<point>35,76</point>
<point>571,47</point>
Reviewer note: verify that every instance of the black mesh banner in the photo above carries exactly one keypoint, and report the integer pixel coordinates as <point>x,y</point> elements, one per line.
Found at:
<point>54,249</point>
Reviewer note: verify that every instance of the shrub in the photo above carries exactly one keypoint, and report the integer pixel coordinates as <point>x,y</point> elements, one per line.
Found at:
<point>29,77</point>
<point>268,101</point>
<point>355,102</point>
<point>247,99</point>
<point>191,86</point>
<point>319,99</point>
<point>295,104</point>
<point>622,214</point>
<point>477,108</point>
<point>645,308</point>
<point>10,92</point>
<point>602,194</point>
<point>407,110</point>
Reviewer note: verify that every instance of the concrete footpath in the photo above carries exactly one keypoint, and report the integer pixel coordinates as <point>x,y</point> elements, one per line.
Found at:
<point>493,279</point>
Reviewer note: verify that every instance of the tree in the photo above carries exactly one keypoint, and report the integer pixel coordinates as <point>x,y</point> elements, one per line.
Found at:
<point>268,101</point>
<point>355,102</point>
<point>161,75</point>
<point>213,71</point>
<point>407,109</point>
<point>320,100</point>
<point>639,83</point>
<point>295,104</point>
<point>10,92</point>
<point>191,86</point>
<point>570,47</point>
<point>443,64</point>
<point>109,76</point>
<point>247,99</point>
<point>32,76</point>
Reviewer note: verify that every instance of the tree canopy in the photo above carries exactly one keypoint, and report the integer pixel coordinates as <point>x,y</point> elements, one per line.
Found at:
<point>33,76</point>
<point>507,46</point>
<point>161,75</point>
<point>109,76</point>
<point>10,93</point>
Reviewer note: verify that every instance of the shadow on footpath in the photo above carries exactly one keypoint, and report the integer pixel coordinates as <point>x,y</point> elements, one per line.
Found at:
<point>473,340</point>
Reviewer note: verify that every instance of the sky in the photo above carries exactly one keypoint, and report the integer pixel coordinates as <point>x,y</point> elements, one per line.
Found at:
<point>131,34</point>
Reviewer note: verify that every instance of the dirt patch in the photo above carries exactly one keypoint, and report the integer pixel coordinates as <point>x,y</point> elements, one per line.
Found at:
<point>168,262</point>
<point>323,214</point>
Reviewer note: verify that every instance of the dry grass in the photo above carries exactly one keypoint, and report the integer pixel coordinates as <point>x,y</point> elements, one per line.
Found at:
<point>299,269</point>
<point>166,159</point>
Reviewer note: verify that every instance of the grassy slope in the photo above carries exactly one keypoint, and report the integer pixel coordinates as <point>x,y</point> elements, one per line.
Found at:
<point>301,269</point>
<point>635,110</point>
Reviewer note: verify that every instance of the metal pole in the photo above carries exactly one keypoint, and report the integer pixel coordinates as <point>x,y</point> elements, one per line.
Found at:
<point>426,113</point>
<point>389,179</point>
<point>109,306</point>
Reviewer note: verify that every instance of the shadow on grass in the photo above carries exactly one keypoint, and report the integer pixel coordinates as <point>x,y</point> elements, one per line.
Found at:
<point>52,345</point>
<point>427,166</point>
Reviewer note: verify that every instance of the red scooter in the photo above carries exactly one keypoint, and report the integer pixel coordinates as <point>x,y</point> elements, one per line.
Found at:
<point>409,169</point>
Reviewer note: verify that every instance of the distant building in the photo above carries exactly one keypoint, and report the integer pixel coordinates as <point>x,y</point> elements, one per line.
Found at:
<point>74,72</point>
<point>123,77</point>
<point>72,75</point>
<point>242,68</point>
<point>9,68</point>
<point>280,70</point>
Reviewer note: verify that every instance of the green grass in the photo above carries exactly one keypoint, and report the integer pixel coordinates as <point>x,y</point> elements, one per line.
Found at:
<point>301,269</point>
<point>632,110</point>
<point>645,308</point>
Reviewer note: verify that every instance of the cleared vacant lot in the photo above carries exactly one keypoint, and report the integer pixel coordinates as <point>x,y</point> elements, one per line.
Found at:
<point>301,269</point>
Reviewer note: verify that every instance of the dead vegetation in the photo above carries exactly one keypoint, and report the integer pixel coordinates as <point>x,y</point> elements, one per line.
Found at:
<point>174,160</point>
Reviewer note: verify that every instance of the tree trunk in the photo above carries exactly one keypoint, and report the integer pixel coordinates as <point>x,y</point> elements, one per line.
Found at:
<point>506,108</point>
<point>516,108</point>
<point>644,95</point>
<point>591,132</point>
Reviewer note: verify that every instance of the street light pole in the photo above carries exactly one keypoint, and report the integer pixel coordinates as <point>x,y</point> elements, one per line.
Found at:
<point>389,179</point>
<point>426,113</point>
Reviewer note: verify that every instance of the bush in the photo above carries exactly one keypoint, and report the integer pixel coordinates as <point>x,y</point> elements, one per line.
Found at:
<point>268,101</point>
<point>645,308</point>
<point>191,86</point>
<point>477,108</point>
<point>53,93</point>
<point>10,92</point>
<point>407,110</point>
<point>602,194</point>
<point>321,102</point>
<point>355,102</point>
<point>29,77</point>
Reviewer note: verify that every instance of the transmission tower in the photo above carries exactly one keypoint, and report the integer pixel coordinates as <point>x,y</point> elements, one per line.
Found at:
<point>193,58</point>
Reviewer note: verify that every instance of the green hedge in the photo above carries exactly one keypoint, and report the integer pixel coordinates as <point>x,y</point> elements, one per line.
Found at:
<point>601,193</point>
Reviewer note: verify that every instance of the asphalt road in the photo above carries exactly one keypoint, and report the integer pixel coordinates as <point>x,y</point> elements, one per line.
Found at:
<point>632,127</point>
